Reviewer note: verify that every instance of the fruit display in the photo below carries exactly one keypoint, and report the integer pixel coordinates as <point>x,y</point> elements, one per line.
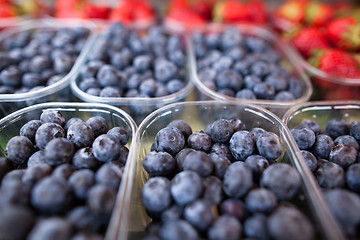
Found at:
<point>126,11</point>
<point>37,60</point>
<point>61,171</point>
<point>193,14</point>
<point>141,69</point>
<point>328,137</point>
<point>326,37</point>
<point>247,63</point>
<point>203,166</point>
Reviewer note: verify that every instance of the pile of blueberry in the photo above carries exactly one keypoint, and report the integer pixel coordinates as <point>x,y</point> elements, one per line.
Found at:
<point>221,183</point>
<point>60,178</point>
<point>245,67</point>
<point>333,156</point>
<point>131,63</point>
<point>32,60</point>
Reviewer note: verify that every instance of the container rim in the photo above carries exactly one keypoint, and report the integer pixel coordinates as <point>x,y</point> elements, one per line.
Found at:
<point>272,37</point>
<point>136,100</point>
<point>49,23</point>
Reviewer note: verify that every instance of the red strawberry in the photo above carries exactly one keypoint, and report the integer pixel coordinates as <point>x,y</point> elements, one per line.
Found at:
<point>6,10</point>
<point>336,62</point>
<point>307,39</point>
<point>289,14</point>
<point>96,11</point>
<point>185,17</point>
<point>231,11</point>
<point>318,14</point>
<point>69,9</point>
<point>344,33</point>
<point>128,11</point>
<point>203,8</point>
<point>257,11</point>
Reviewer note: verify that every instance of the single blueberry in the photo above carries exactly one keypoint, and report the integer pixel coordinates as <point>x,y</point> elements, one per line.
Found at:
<point>35,173</point>
<point>199,141</point>
<point>46,132</point>
<point>173,213</point>
<point>258,164</point>
<point>120,133</point>
<point>110,92</point>
<point>245,94</point>
<point>200,162</point>
<point>82,219</point>
<point>213,190</point>
<point>84,158</point>
<point>200,214</point>
<point>241,145</point>
<point>183,126</point>
<point>336,128</point>
<point>347,140</point>
<point>148,87</point>
<point>222,149</point>
<point>18,149</point>
<point>284,96</point>
<point>233,207</point>
<point>29,129</point>
<point>264,91</point>
<point>221,163</point>
<point>186,187</point>
<point>222,64</point>
<point>159,164</point>
<point>180,157</point>
<point>310,160</point>
<point>330,175</point>
<point>98,124</point>
<point>170,140</point>
<point>63,64</point>
<point>229,79</point>
<point>353,177</point>
<point>238,180</point>
<point>221,131</point>
<point>312,124</point>
<point>11,76</point>
<point>178,230</point>
<point>155,194</point>
<point>260,200</point>
<point>304,137</point>
<point>323,146</point>
<point>256,227</point>
<point>108,76</point>
<point>226,227</point>
<point>81,181</point>
<point>101,199</point>
<point>343,155</point>
<point>231,37</point>
<point>278,82</point>
<point>164,70</point>
<point>174,85</point>
<point>106,148</point>
<point>52,116</point>
<point>58,151</point>
<point>355,130</point>
<point>31,80</point>
<point>269,146</point>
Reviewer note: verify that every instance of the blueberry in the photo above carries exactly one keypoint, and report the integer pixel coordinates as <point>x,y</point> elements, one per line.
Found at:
<point>81,181</point>
<point>63,64</point>
<point>283,180</point>
<point>84,158</point>
<point>164,70</point>
<point>148,87</point>
<point>269,146</point>
<point>174,85</point>
<point>330,175</point>
<point>312,124</point>
<point>108,76</point>
<point>106,148</point>
<point>227,92</point>
<point>200,214</point>
<point>221,149</point>
<point>296,87</point>
<point>226,227</point>
<point>46,132</point>
<point>278,82</point>
<point>183,126</point>
<point>347,140</point>
<point>63,171</point>
<point>98,124</point>
<point>241,145</point>
<point>110,92</point>
<point>101,199</point>
<point>345,206</point>
<point>5,166</point>
<point>256,133</point>
<point>155,194</point>
<point>237,180</point>
<point>173,43</point>
<point>5,60</point>
<point>52,116</point>
<point>186,187</point>
<point>355,130</point>
<point>82,219</point>
<point>6,90</point>
<point>142,63</point>
<point>221,163</point>
<point>336,128</point>
<point>260,200</point>
<point>120,133</point>
<point>170,140</point>
<point>212,40</point>
<point>258,164</point>
<point>124,152</point>
<point>15,221</point>
<point>173,213</point>
<point>207,74</point>
<point>284,96</point>
<point>222,64</point>
<point>256,227</point>
<point>245,94</point>
<point>58,151</point>
<point>39,63</point>
<point>250,81</point>
<point>31,80</point>
<point>90,69</point>
<point>94,91</point>
<point>51,228</point>
<point>178,57</point>
<point>353,177</point>
<point>178,230</point>
<point>323,146</point>
<point>231,37</point>
<point>135,43</point>
<point>221,131</point>
<point>35,173</point>
<point>14,175</point>
<point>87,83</point>
<point>199,162</point>
<point>159,163</point>
<point>15,192</point>
<point>233,207</point>
<point>213,190</point>
<point>344,155</point>
<point>264,91</point>
<point>310,160</point>
<point>180,157</point>
<point>19,149</point>
<point>80,134</point>
<point>199,141</point>
<point>50,195</point>
<point>229,79</point>
<point>289,223</point>
<point>11,76</point>
<point>304,137</point>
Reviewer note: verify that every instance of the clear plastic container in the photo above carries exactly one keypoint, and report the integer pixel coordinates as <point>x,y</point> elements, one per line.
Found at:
<point>288,62</point>
<point>327,86</point>
<point>11,124</point>
<point>322,112</point>
<point>138,108</point>
<point>59,91</point>
<point>198,114</point>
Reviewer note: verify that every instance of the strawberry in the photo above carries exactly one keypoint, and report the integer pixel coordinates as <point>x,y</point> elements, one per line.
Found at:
<point>69,9</point>
<point>307,39</point>
<point>335,62</point>
<point>231,11</point>
<point>128,11</point>
<point>185,17</point>
<point>96,10</point>
<point>257,11</point>
<point>203,8</point>
<point>289,15</point>
<point>318,14</point>
<point>6,10</point>
<point>344,33</point>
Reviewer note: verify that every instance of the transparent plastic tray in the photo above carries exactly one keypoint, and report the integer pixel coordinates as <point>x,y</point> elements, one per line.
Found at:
<point>10,127</point>
<point>198,114</point>
<point>147,105</point>
<point>322,112</point>
<point>59,91</point>
<point>288,62</point>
